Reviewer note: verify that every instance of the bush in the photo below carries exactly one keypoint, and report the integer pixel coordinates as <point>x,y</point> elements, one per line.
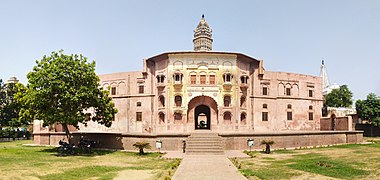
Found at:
<point>141,146</point>
<point>14,133</point>
<point>267,144</point>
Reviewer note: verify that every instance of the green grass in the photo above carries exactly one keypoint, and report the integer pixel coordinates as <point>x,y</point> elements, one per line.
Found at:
<point>102,172</point>
<point>27,162</point>
<point>352,161</point>
<point>321,164</point>
<point>284,151</point>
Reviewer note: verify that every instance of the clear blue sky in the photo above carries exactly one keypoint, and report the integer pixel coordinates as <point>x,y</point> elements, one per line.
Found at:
<point>291,36</point>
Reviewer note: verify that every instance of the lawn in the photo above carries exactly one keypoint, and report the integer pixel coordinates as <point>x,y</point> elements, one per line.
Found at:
<point>27,162</point>
<point>355,161</point>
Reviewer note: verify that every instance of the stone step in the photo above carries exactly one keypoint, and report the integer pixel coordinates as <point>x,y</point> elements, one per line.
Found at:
<point>206,143</point>
<point>205,137</point>
<point>205,152</point>
<point>203,144</point>
<point>211,141</point>
<point>203,149</point>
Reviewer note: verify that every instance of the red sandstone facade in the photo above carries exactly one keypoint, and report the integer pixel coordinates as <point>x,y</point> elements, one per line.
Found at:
<point>179,93</point>
<point>226,92</point>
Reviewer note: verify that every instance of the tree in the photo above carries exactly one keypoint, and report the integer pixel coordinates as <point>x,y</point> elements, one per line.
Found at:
<point>267,144</point>
<point>369,109</point>
<point>141,146</point>
<point>9,107</point>
<point>63,89</point>
<point>341,97</point>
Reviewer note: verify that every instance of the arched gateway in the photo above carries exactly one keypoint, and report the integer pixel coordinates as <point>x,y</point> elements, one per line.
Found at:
<point>203,112</point>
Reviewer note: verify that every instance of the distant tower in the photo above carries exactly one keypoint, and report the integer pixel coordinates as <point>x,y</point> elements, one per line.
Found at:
<point>13,80</point>
<point>325,79</point>
<point>202,36</point>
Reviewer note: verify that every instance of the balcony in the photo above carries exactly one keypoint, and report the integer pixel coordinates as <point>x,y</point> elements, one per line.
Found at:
<point>243,86</point>
<point>160,85</point>
<point>227,86</point>
<point>177,84</point>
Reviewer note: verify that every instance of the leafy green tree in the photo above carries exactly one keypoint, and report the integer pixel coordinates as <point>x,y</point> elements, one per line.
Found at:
<point>63,89</point>
<point>369,109</point>
<point>9,107</point>
<point>341,97</point>
<point>2,102</point>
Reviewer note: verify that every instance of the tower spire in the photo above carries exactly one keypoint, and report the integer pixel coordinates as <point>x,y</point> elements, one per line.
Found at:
<point>202,36</point>
<point>325,77</point>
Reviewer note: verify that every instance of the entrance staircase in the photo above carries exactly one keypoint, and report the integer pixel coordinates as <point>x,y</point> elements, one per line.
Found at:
<point>204,143</point>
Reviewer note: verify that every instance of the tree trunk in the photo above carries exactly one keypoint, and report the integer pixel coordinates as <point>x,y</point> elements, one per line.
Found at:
<point>141,151</point>
<point>66,128</point>
<point>267,148</point>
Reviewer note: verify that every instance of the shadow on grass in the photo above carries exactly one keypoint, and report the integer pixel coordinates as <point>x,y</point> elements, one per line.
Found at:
<point>147,154</point>
<point>79,152</point>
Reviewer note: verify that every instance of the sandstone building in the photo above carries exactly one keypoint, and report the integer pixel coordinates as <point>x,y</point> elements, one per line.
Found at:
<point>227,93</point>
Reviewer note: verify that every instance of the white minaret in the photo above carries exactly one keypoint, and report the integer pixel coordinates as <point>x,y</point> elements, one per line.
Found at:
<point>325,78</point>
<point>202,36</point>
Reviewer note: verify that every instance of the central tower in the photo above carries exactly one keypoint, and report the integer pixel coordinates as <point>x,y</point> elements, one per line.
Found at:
<point>202,36</point>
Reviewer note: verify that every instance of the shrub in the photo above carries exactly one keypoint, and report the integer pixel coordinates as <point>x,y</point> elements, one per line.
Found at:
<point>267,144</point>
<point>141,146</point>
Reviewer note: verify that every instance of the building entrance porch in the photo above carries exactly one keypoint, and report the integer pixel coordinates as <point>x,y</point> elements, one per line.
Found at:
<point>202,117</point>
<point>203,113</point>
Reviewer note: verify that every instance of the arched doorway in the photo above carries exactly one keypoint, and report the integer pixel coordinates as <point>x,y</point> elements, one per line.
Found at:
<point>202,113</point>
<point>202,117</point>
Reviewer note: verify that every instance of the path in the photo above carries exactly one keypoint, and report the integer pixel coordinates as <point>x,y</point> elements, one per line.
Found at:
<point>207,167</point>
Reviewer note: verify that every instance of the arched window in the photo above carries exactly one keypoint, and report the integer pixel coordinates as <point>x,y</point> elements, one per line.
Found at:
<point>161,117</point>
<point>227,101</point>
<point>202,79</point>
<point>310,107</point>
<point>243,117</point>
<point>227,116</point>
<point>288,91</point>
<point>160,78</point>
<point>162,101</point>
<point>265,106</point>
<point>178,101</point>
<point>193,79</point>
<point>244,79</point>
<point>177,116</point>
<point>227,77</point>
<point>113,91</point>
<point>212,79</point>
<point>289,106</point>
<point>178,78</point>
<point>243,100</point>
<point>138,104</point>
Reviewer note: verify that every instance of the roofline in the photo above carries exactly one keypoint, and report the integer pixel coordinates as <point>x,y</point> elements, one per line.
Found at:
<point>201,52</point>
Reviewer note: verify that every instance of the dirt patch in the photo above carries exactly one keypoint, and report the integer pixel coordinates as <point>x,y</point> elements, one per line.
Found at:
<point>135,174</point>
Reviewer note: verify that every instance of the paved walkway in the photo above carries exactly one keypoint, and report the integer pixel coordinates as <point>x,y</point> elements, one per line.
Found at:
<point>207,167</point>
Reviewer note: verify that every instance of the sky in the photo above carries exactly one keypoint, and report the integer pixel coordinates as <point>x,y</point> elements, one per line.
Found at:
<point>289,35</point>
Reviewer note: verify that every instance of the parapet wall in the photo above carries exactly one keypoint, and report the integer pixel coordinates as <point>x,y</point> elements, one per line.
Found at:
<point>174,142</point>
